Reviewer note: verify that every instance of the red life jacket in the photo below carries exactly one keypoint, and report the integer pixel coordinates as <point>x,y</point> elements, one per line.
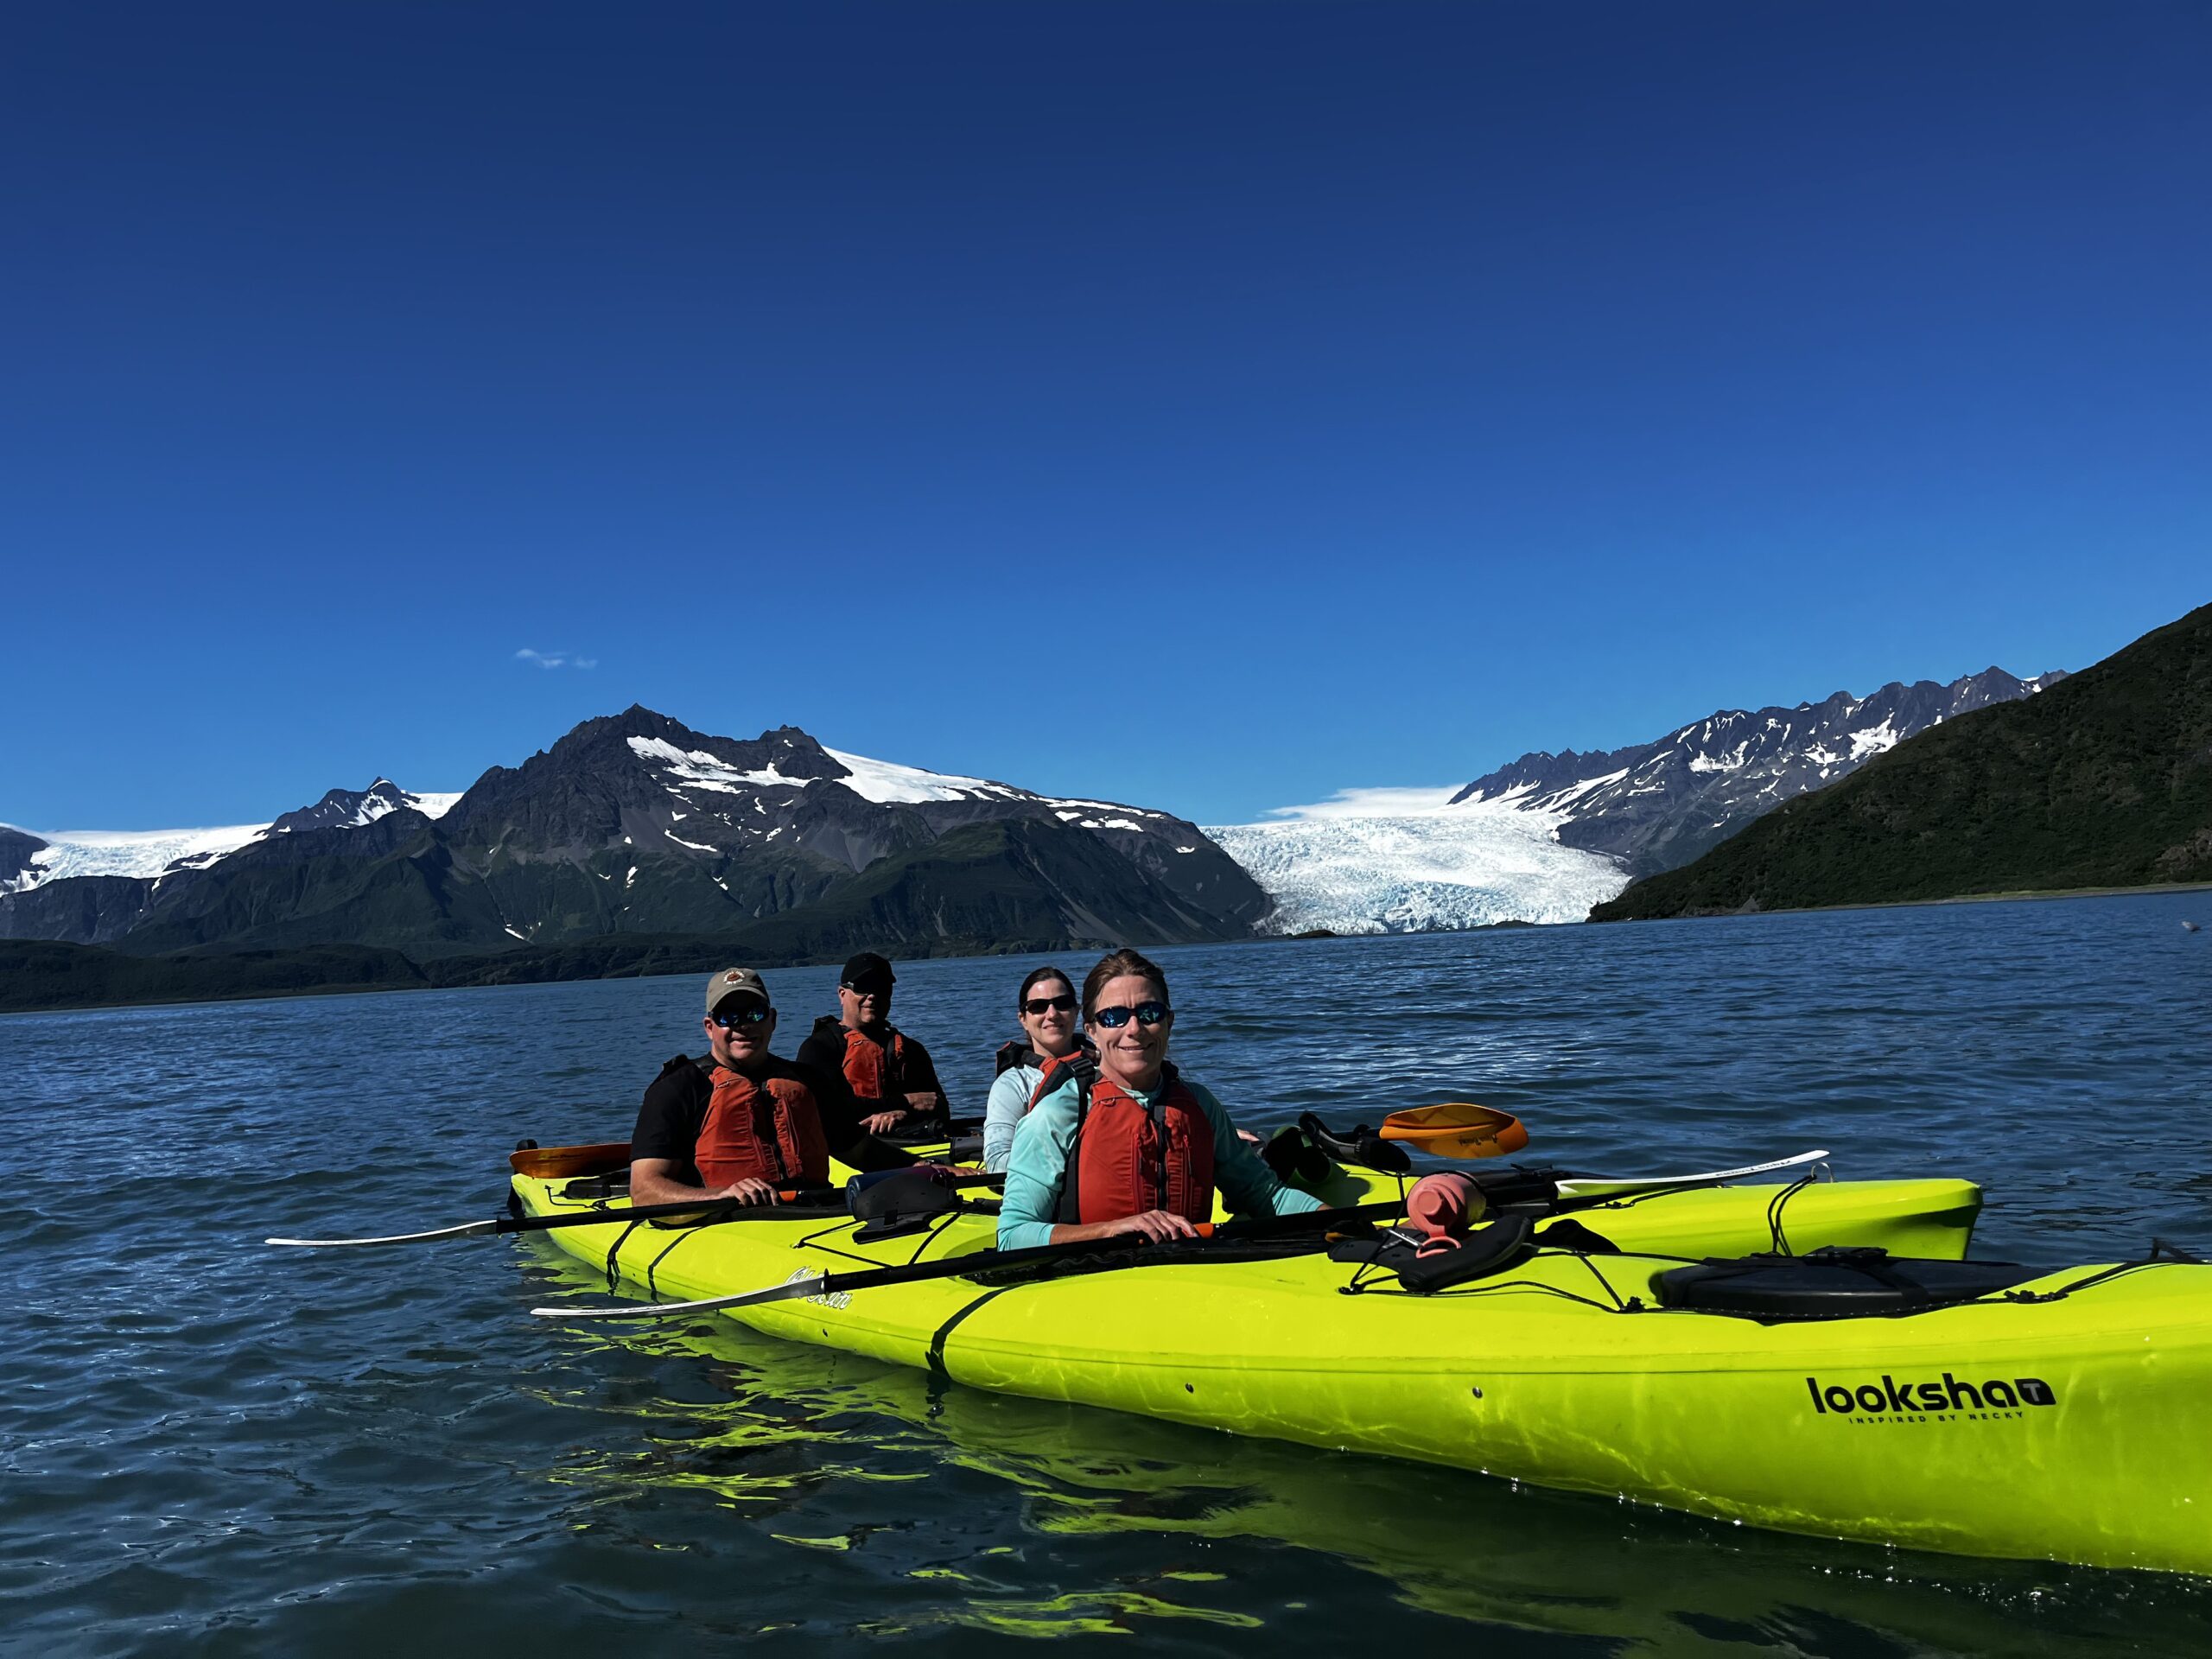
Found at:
<point>876,1071</point>
<point>1127,1159</point>
<point>768,1131</point>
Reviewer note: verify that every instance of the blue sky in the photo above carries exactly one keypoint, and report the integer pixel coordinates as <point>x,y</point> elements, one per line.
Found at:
<point>1210,406</point>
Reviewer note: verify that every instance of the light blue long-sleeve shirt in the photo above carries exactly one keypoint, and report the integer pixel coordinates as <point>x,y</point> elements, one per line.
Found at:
<point>1037,1167</point>
<point>1004,1110</point>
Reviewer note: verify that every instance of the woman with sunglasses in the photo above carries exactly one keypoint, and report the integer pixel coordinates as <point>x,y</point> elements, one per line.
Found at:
<point>1045,1006</point>
<point>1127,1146</point>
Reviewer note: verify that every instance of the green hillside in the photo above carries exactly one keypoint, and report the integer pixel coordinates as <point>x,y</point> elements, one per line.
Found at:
<point>2104,780</point>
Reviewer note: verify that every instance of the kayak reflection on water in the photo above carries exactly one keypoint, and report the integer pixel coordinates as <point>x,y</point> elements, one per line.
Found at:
<point>1060,1516</point>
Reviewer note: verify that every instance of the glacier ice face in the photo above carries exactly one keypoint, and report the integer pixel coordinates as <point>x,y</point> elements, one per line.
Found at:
<point>127,852</point>
<point>1405,861</point>
<point>156,853</point>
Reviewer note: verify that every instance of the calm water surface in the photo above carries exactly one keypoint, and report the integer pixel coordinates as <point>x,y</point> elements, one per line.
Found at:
<point>206,1447</point>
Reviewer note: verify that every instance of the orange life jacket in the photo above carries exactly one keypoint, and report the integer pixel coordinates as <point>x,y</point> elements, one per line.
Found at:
<point>768,1131</point>
<point>1126,1158</point>
<point>877,1070</point>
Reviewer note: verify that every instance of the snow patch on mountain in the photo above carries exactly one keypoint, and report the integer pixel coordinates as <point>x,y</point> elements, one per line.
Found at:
<point>882,782</point>
<point>697,769</point>
<point>886,781</point>
<point>1406,861</point>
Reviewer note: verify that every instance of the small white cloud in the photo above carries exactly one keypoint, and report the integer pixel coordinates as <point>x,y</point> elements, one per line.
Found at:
<point>555,658</point>
<point>1383,803</point>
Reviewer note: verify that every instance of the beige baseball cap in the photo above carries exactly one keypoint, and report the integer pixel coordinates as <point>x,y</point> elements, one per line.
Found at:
<point>735,981</point>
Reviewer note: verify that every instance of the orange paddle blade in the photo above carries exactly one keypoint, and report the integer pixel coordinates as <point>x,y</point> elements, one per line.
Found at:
<point>552,1163</point>
<point>1457,1129</point>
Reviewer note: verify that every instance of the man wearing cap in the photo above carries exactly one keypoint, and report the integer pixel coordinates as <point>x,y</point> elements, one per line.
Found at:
<point>892,1077</point>
<point>741,1123</point>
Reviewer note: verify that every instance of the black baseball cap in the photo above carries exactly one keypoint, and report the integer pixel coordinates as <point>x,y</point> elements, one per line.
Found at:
<point>867,971</point>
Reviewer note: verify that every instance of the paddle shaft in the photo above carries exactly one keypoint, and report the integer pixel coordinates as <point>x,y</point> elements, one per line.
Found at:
<point>823,1198</point>
<point>955,1267</point>
<point>991,1260</point>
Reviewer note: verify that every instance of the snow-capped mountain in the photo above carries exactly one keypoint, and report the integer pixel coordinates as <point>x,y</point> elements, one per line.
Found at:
<point>1548,836</point>
<point>353,808</point>
<point>30,859</point>
<point>1658,805</point>
<point>637,824</point>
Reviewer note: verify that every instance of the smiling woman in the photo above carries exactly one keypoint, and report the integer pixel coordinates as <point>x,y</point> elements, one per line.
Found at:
<point>1124,1144</point>
<point>1045,1006</point>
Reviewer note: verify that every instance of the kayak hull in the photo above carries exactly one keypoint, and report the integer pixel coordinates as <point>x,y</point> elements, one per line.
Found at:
<point>1563,1372</point>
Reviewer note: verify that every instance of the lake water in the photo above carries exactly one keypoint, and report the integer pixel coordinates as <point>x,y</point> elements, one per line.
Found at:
<point>212,1448</point>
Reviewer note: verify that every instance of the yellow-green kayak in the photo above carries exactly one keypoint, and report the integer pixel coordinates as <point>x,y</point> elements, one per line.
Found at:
<point>2071,1425</point>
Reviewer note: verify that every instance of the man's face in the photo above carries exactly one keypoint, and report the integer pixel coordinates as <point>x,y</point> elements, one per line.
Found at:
<point>737,1037</point>
<point>866,1004</point>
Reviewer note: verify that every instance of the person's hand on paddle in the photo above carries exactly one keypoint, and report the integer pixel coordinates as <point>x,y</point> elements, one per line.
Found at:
<point>882,1122</point>
<point>1158,1225</point>
<point>751,1189</point>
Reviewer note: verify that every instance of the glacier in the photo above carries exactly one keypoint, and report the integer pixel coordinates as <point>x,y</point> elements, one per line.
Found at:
<point>125,852</point>
<point>156,853</point>
<point>1410,860</point>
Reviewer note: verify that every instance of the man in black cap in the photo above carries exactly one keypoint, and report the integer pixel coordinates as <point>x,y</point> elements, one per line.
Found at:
<point>893,1079</point>
<point>741,1123</point>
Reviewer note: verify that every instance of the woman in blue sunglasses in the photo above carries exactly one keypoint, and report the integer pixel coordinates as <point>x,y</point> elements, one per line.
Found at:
<point>1124,1144</point>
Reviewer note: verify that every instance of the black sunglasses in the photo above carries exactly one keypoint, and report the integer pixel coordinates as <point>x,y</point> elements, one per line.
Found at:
<point>752,1014</point>
<point>1036,1005</point>
<point>1146,1014</point>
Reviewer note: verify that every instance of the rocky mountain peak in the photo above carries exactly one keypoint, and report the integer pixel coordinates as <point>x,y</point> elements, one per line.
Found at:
<point>348,809</point>
<point>1659,804</point>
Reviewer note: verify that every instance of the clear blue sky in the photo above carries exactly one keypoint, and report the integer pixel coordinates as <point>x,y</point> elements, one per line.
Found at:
<point>1210,406</point>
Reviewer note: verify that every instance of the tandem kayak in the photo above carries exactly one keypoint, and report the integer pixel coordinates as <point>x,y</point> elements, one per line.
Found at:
<point>2061,1415</point>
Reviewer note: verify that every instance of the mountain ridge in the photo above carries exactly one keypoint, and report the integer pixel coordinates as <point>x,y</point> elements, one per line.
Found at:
<point>1547,838</point>
<point>635,823</point>
<point>1657,805</point>
<point>2103,781</point>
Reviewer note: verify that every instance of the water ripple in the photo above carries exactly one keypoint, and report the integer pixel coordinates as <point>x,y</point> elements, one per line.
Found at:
<point>213,1450</point>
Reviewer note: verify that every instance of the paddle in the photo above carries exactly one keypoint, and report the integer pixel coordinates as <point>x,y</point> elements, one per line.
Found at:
<point>804,1285</point>
<point>1595,1190</point>
<point>1566,1192</point>
<point>797,1204</point>
<point>1457,1128</point>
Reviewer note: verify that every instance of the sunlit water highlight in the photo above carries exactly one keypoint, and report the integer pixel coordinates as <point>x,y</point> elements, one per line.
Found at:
<point>210,1448</point>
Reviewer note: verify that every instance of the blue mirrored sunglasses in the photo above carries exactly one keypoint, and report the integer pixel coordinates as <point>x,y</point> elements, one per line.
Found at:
<point>752,1014</point>
<point>1146,1013</point>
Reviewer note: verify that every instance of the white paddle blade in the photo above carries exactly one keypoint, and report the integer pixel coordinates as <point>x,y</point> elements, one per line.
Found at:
<point>466,1229</point>
<point>810,1286</point>
<point>1595,1189</point>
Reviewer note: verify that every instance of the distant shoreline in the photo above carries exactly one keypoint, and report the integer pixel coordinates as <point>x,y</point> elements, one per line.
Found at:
<point>2140,890</point>
<point>188,999</point>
